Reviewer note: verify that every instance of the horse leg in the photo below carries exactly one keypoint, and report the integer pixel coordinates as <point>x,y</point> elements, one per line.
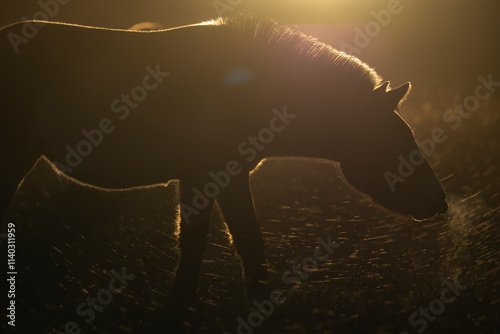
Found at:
<point>193,242</point>
<point>9,183</point>
<point>238,209</point>
<point>11,176</point>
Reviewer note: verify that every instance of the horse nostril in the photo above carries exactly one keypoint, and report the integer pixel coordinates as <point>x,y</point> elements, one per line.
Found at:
<point>443,207</point>
<point>437,206</point>
<point>442,204</point>
<point>435,192</point>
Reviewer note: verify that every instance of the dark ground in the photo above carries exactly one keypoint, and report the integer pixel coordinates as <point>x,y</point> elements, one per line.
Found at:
<point>70,238</point>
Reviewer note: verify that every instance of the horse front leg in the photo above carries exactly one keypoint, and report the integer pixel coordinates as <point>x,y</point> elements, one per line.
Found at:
<point>237,206</point>
<point>193,242</point>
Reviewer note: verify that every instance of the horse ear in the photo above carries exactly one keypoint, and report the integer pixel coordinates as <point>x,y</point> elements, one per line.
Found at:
<point>397,95</point>
<point>382,88</point>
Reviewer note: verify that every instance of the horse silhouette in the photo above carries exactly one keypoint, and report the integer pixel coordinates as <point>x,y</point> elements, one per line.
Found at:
<point>204,104</point>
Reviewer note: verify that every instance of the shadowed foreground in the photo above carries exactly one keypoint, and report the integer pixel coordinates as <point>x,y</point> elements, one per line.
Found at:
<point>70,238</point>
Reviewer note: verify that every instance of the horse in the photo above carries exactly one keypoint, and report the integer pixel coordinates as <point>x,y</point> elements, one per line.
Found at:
<point>204,104</point>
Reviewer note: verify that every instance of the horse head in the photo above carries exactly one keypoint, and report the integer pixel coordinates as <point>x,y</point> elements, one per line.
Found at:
<point>385,161</point>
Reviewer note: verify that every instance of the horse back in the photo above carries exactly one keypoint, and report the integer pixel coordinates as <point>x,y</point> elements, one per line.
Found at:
<point>66,79</point>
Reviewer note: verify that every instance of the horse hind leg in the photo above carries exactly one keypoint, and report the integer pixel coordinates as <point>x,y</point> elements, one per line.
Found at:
<point>8,187</point>
<point>11,177</point>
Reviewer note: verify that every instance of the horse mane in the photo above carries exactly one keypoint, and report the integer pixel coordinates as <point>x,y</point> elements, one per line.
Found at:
<point>268,33</point>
